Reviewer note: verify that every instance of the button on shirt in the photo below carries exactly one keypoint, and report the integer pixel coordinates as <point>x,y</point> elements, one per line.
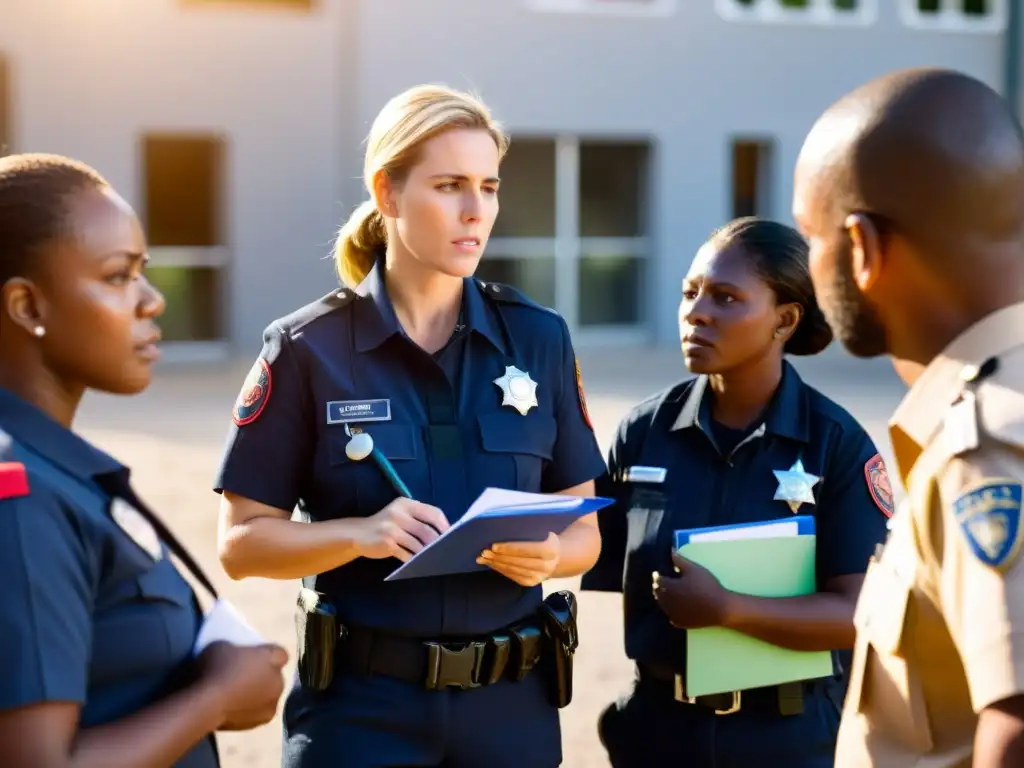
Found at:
<point>440,420</point>
<point>87,614</point>
<point>940,620</point>
<point>714,476</point>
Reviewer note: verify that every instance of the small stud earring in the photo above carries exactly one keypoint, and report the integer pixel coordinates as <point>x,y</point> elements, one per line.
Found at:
<point>39,331</point>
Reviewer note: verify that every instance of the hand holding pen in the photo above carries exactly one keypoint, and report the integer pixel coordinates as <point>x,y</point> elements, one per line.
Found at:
<point>403,527</point>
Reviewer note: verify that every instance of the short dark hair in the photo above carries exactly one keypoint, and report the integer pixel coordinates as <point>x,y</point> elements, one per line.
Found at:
<point>34,193</point>
<point>780,256</point>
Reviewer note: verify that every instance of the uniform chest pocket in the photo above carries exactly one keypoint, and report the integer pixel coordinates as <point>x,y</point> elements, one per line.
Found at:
<point>885,681</point>
<point>516,449</point>
<point>359,487</point>
<point>147,623</point>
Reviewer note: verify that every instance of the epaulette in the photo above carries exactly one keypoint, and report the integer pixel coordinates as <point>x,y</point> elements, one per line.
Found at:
<point>340,298</point>
<point>507,294</point>
<point>13,480</point>
<point>960,425</point>
<point>323,306</point>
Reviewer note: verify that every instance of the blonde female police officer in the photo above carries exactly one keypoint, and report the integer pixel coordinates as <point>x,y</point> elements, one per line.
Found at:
<point>461,385</point>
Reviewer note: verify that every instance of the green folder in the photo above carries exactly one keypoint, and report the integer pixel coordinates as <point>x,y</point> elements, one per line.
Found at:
<point>722,660</point>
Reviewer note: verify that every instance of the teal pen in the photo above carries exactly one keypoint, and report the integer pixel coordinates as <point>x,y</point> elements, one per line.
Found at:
<point>361,446</point>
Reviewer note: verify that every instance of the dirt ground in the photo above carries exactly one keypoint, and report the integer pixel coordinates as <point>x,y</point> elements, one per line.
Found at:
<point>172,436</point>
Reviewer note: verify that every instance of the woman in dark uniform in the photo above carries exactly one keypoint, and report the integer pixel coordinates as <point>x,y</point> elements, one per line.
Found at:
<point>461,385</point>
<point>96,625</point>
<point>710,451</point>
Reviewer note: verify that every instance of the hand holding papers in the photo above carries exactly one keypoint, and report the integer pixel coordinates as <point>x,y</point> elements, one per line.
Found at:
<point>224,623</point>
<point>770,559</point>
<point>528,563</point>
<point>496,516</point>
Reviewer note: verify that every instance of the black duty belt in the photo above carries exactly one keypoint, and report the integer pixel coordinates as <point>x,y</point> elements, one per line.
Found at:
<point>787,699</point>
<point>506,654</point>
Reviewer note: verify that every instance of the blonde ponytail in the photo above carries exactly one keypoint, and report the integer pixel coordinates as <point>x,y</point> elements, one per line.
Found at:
<point>358,242</point>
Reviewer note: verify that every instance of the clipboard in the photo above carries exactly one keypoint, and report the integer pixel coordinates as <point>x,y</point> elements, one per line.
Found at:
<point>497,515</point>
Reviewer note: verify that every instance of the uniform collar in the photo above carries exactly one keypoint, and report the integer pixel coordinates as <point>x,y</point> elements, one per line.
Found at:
<point>378,321</point>
<point>918,417</point>
<point>31,427</point>
<point>786,415</point>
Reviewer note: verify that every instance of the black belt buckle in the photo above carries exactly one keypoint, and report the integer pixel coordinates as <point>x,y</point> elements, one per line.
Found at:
<point>454,666</point>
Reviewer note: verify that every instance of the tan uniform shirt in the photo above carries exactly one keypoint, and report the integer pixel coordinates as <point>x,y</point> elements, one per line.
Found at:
<point>940,620</point>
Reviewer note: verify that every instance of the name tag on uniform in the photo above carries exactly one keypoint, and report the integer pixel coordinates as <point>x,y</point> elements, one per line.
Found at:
<point>137,527</point>
<point>349,411</point>
<point>641,474</point>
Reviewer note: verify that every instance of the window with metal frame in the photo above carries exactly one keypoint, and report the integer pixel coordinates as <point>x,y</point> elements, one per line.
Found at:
<point>984,16</point>
<point>606,7</point>
<point>751,177</point>
<point>287,5</point>
<point>183,208</point>
<point>822,12</point>
<point>573,229</point>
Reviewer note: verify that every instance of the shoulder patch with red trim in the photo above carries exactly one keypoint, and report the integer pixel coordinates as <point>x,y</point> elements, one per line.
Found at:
<point>13,480</point>
<point>879,484</point>
<point>582,395</point>
<point>254,395</point>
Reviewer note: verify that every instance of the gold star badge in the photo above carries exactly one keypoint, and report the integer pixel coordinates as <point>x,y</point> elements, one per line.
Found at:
<point>517,389</point>
<point>795,486</point>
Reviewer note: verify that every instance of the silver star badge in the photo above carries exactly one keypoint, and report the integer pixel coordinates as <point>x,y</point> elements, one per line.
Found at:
<point>795,486</point>
<point>517,389</point>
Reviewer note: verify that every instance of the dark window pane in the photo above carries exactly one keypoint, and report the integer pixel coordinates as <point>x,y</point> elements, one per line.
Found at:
<point>534,276</point>
<point>610,290</point>
<point>527,195</point>
<point>183,186</point>
<point>193,297</point>
<point>613,189</point>
<point>750,168</point>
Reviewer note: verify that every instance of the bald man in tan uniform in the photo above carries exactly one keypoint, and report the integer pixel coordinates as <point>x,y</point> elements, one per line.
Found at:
<point>911,193</point>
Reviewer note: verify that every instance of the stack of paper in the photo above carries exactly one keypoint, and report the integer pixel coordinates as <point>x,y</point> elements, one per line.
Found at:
<point>769,559</point>
<point>496,516</point>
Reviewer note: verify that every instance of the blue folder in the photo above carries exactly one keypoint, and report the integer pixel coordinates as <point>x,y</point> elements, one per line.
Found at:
<point>457,550</point>
<point>804,523</point>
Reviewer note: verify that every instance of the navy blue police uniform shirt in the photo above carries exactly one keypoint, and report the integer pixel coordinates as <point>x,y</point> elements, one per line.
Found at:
<point>716,476</point>
<point>92,609</point>
<point>439,419</point>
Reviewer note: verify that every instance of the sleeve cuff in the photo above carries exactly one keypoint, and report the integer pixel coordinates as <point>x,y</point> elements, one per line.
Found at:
<point>995,671</point>
<point>565,480</point>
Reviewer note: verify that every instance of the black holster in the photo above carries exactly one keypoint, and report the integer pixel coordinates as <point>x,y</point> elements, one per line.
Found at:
<point>318,631</point>
<point>558,619</point>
